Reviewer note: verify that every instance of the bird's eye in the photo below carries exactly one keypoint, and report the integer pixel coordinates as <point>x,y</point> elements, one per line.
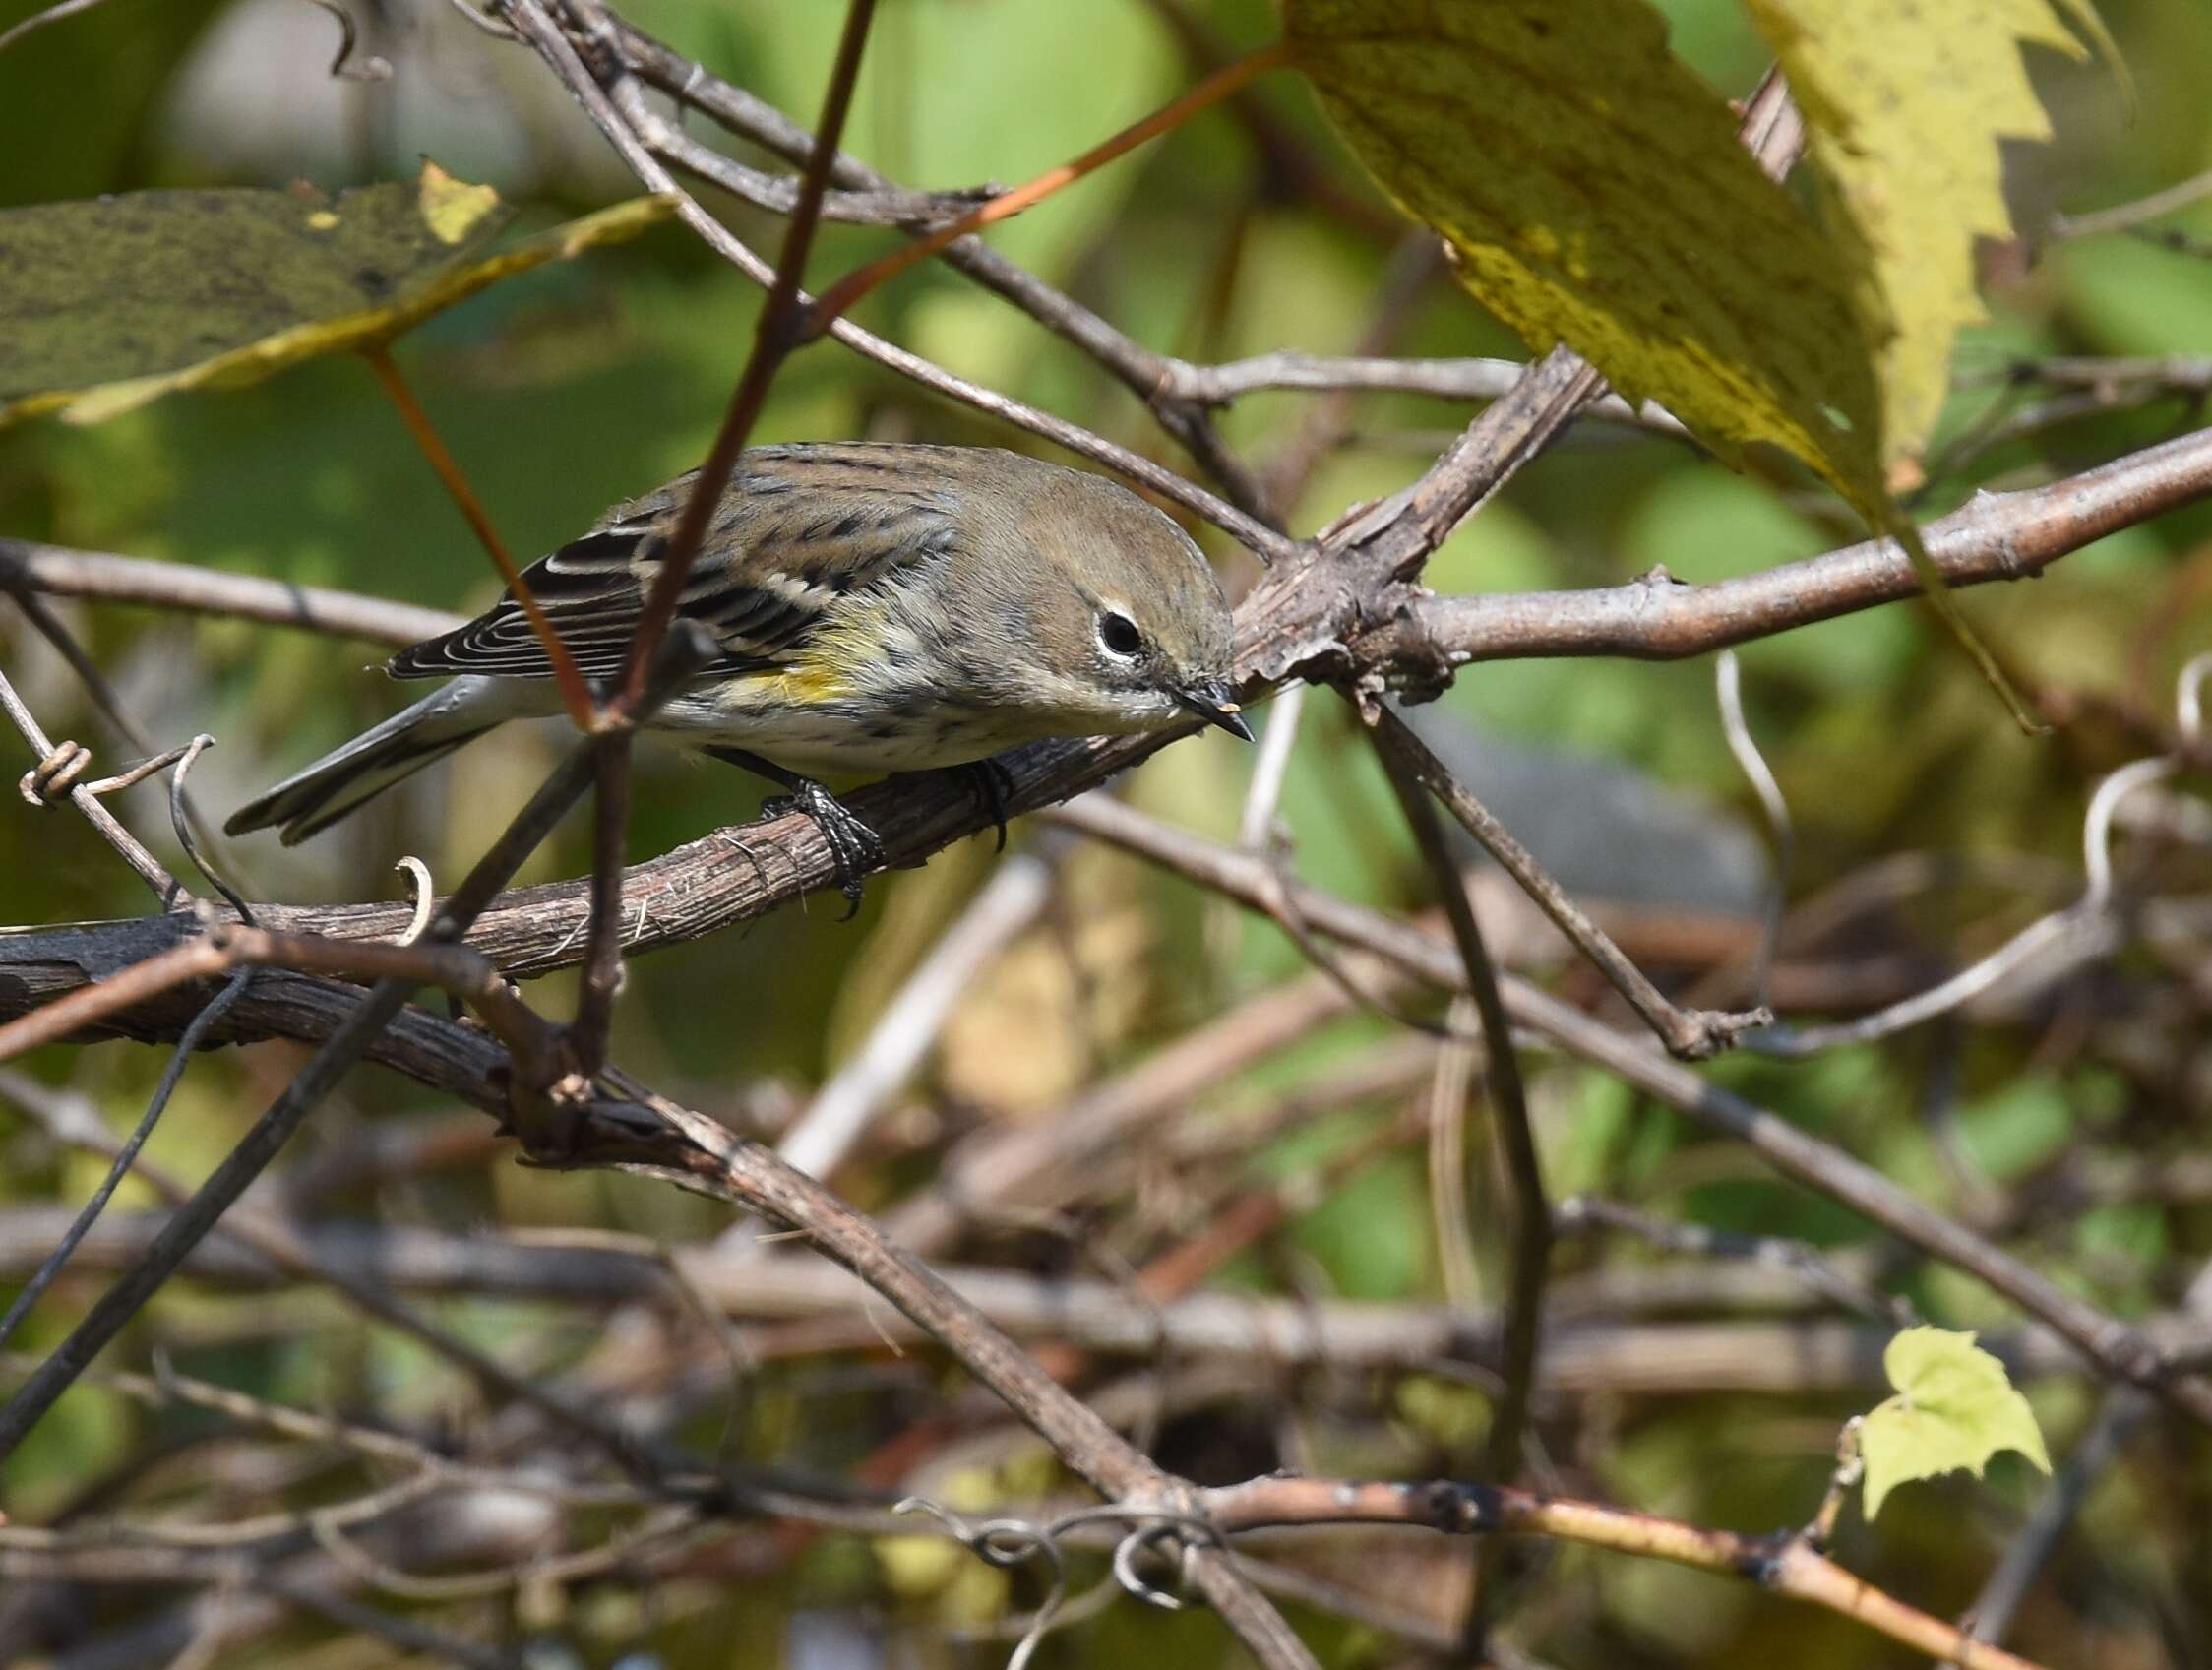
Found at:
<point>1119,634</point>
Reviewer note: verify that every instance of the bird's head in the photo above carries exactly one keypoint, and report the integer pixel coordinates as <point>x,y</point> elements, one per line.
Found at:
<point>1123,625</point>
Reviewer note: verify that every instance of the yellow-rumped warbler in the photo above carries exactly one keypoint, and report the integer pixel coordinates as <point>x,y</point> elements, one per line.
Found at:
<point>880,608</point>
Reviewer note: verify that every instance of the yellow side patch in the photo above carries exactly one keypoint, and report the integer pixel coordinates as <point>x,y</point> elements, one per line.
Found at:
<point>820,680</point>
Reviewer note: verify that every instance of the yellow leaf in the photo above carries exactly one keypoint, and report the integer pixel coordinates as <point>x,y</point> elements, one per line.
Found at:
<point>1954,1408</point>
<point>1593,192</point>
<point>1905,103</point>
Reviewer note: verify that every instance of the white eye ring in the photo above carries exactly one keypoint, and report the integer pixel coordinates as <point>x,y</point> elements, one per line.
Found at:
<point>1119,637</point>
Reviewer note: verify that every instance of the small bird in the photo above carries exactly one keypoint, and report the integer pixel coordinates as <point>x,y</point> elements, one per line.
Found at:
<point>880,608</point>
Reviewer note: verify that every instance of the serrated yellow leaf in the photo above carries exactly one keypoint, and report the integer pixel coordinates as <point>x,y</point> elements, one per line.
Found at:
<point>1955,1409</point>
<point>1905,103</point>
<point>1593,192</point>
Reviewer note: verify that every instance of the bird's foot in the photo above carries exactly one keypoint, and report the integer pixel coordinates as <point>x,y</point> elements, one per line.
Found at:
<point>854,847</point>
<point>991,783</point>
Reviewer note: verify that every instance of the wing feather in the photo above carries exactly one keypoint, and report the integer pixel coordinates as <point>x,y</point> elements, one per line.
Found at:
<point>799,530</point>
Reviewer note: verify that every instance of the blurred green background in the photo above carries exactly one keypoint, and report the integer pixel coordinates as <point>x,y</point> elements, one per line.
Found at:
<point>580,384</point>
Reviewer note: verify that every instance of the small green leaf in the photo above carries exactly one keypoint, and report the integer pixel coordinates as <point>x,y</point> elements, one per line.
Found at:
<point>109,303</point>
<point>1955,1409</point>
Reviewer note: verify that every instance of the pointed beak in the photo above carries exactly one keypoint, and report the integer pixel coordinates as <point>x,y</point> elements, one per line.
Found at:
<point>1214,703</point>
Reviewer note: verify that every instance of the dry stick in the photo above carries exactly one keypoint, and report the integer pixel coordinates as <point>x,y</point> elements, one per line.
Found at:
<point>1691,1035</point>
<point>1508,1102</point>
<point>1509,1122</point>
<point>1288,371</point>
<point>2116,1348</point>
<point>1601,1340</point>
<point>2126,216</point>
<point>56,571</point>
<point>39,20</point>
<point>1996,537</point>
<point>1785,1565</point>
<point>576,695</point>
<point>1581,1215</point>
<point>1223,83</point>
<point>227,946</point>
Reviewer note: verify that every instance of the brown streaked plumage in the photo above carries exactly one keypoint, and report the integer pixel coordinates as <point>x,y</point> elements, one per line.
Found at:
<point>879,608</point>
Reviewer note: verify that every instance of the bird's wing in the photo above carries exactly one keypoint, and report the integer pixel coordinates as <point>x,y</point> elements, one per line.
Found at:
<point>799,530</point>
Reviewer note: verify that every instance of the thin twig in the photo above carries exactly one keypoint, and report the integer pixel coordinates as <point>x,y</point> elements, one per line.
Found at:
<point>80,1226</point>
<point>39,20</point>
<point>1743,747</point>
<point>1784,1564</point>
<point>56,571</point>
<point>1222,84</point>
<point>576,695</point>
<point>1691,1035</point>
<point>166,888</point>
<point>776,332</point>
<point>2126,216</point>
<point>1515,1139</point>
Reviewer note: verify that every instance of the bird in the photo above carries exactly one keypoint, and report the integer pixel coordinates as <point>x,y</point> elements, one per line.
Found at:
<point>878,607</point>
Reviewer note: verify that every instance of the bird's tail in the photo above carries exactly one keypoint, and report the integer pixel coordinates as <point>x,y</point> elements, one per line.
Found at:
<point>311,800</point>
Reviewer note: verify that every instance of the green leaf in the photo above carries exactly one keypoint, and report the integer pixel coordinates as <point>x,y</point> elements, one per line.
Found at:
<point>1593,192</point>
<point>1905,104</point>
<point>1955,1409</point>
<point>109,303</point>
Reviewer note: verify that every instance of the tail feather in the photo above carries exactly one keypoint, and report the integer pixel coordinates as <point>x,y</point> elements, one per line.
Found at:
<point>311,800</point>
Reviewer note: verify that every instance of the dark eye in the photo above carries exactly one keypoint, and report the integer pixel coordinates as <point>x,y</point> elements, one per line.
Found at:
<point>1119,634</point>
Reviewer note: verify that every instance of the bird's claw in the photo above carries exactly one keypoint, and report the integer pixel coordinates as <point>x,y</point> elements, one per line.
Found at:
<point>854,847</point>
<point>991,782</point>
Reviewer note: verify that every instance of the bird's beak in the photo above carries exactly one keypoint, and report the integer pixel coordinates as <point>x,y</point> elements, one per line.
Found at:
<point>1214,703</point>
